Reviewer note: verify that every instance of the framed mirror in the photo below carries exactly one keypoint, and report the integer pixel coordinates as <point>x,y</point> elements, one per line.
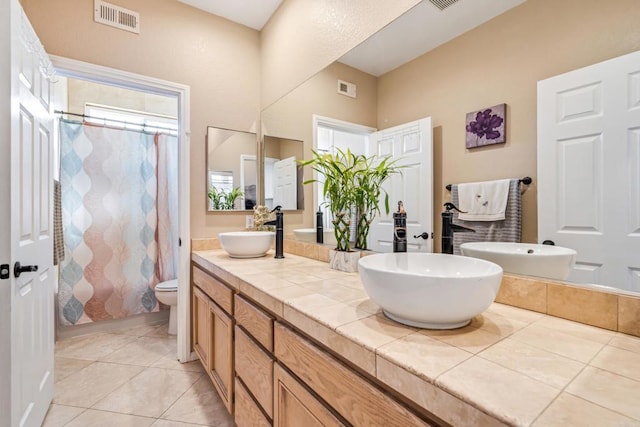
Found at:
<point>232,169</point>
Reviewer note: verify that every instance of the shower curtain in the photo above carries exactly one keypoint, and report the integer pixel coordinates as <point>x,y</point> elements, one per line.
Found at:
<point>119,211</point>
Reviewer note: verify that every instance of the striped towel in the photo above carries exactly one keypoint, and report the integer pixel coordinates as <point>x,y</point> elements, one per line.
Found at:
<point>507,230</point>
<point>58,239</point>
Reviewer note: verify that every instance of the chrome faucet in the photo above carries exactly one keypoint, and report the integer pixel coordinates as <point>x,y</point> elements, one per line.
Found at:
<point>448,228</point>
<point>279,223</point>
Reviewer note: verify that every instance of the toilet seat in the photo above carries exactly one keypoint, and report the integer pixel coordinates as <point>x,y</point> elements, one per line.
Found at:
<point>168,286</point>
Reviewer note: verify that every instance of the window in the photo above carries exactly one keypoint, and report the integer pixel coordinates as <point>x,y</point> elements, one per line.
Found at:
<point>130,119</point>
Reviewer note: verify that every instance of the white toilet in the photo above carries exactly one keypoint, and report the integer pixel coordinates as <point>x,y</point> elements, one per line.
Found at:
<point>167,293</point>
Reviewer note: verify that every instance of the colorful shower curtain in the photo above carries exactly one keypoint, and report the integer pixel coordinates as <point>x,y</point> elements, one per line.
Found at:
<point>119,207</point>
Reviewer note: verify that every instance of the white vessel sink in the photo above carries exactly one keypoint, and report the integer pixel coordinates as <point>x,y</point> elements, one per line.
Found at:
<point>434,291</point>
<point>309,235</point>
<point>552,262</point>
<point>246,244</point>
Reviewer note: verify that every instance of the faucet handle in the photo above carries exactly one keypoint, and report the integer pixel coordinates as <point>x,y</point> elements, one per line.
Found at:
<point>449,206</point>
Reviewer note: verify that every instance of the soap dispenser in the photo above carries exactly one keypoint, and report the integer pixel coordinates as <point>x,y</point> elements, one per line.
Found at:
<point>319,227</point>
<point>400,229</point>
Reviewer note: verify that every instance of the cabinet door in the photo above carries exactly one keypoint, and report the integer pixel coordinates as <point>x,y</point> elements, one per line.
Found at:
<point>295,406</point>
<point>220,367</point>
<point>200,328</point>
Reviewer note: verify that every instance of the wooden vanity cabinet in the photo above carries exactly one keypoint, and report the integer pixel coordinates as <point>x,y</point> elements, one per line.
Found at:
<point>212,332</point>
<point>295,406</point>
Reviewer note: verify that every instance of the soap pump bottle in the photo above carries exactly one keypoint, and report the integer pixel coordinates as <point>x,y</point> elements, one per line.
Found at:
<point>319,227</point>
<point>400,229</point>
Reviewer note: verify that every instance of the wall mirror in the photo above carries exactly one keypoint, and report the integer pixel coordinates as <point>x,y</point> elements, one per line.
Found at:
<point>283,176</point>
<point>232,177</point>
<point>292,116</point>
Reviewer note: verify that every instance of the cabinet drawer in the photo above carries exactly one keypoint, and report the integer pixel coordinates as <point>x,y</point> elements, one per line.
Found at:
<point>295,406</point>
<point>255,369</point>
<point>258,323</point>
<point>220,293</point>
<point>352,396</point>
<point>247,412</point>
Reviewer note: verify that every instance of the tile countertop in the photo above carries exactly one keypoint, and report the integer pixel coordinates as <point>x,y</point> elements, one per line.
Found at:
<point>509,366</point>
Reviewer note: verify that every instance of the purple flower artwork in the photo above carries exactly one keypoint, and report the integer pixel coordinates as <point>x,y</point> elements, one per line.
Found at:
<point>486,127</point>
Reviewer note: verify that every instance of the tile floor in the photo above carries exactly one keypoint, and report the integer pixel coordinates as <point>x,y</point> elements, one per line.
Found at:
<point>131,378</point>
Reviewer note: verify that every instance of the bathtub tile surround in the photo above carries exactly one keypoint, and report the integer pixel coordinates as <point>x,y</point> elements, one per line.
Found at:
<point>131,377</point>
<point>510,366</point>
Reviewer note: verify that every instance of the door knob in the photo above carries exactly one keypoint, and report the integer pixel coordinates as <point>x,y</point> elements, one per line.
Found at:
<point>549,242</point>
<point>424,235</point>
<point>19,269</point>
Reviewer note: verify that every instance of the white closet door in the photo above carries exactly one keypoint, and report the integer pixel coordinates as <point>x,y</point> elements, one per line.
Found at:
<point>589,169</point>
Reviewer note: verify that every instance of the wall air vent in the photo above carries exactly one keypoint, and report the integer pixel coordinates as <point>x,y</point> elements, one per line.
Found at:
<point>442,4</point>
<point>346,88</point>
<point>116,16</point>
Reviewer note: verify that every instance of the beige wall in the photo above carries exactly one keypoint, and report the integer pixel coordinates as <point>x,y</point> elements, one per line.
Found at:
<point>501,61</point>
<point>291,117</point>
<point>218,59</point>
<point>304,36</point>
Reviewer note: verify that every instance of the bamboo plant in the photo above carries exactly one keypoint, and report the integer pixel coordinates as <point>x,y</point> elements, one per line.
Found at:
<point>221,200</point>
<point>352,182</point>
<point>369,179</point>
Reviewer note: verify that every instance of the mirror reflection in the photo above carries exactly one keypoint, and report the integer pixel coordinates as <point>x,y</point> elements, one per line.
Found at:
<point>283,176</point>
<point>231,169</point>
<point>443,85</point>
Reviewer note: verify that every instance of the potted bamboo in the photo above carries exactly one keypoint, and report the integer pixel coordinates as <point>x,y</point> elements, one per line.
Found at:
<point>351,183</point>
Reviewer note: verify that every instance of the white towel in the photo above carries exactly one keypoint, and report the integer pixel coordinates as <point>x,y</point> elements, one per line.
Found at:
<point>483,201</point>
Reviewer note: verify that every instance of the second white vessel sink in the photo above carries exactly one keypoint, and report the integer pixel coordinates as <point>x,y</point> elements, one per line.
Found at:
<point>530,259</point>
<point>246,244</point>
<point>434,291</point>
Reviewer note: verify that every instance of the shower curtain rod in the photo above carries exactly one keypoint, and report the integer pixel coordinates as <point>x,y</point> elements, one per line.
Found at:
<point>104,120</point>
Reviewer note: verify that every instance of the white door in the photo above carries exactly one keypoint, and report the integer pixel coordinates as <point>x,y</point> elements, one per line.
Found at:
<point>285,182</point>
<point>28,347</point>
<point>589,169</point>
<point>411,144</point>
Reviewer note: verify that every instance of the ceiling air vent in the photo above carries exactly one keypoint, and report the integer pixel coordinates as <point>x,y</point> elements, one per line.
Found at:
<point>116,16</point>
<point>442,4</point>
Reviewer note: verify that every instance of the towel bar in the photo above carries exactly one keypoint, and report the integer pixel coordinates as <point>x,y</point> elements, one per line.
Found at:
<point>526,181</point>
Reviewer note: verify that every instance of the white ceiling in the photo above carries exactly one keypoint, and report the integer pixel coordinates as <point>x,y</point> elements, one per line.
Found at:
<point>252,13</point>
<point>418,31</point>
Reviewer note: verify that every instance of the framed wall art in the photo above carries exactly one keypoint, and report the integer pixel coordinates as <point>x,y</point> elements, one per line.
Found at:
<point>486,127</point>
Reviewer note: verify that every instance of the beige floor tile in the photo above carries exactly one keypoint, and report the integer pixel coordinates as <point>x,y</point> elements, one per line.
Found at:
<point>93,418</point>
<point>626,342</point>
<point>569,410</point>
<point>169,423</point>
<point>200,405</point>
<point>542,365</point>
<point>92,347</point>
<point>161,331</point>
<point>619,361</point>
<point>561,343</point>
<point>581,330</point>
<point>422,356</point>
<point>374,331</point>
<point>170,361</point>
<point>89,385</point>
<point>468,338</point>
<point>609,390</point>
<point>498,390</point>
<point>144,351</point>
<point>65,366</point>
<point>60,415</point>
<point>150,393</point>
<point>137,331</point>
